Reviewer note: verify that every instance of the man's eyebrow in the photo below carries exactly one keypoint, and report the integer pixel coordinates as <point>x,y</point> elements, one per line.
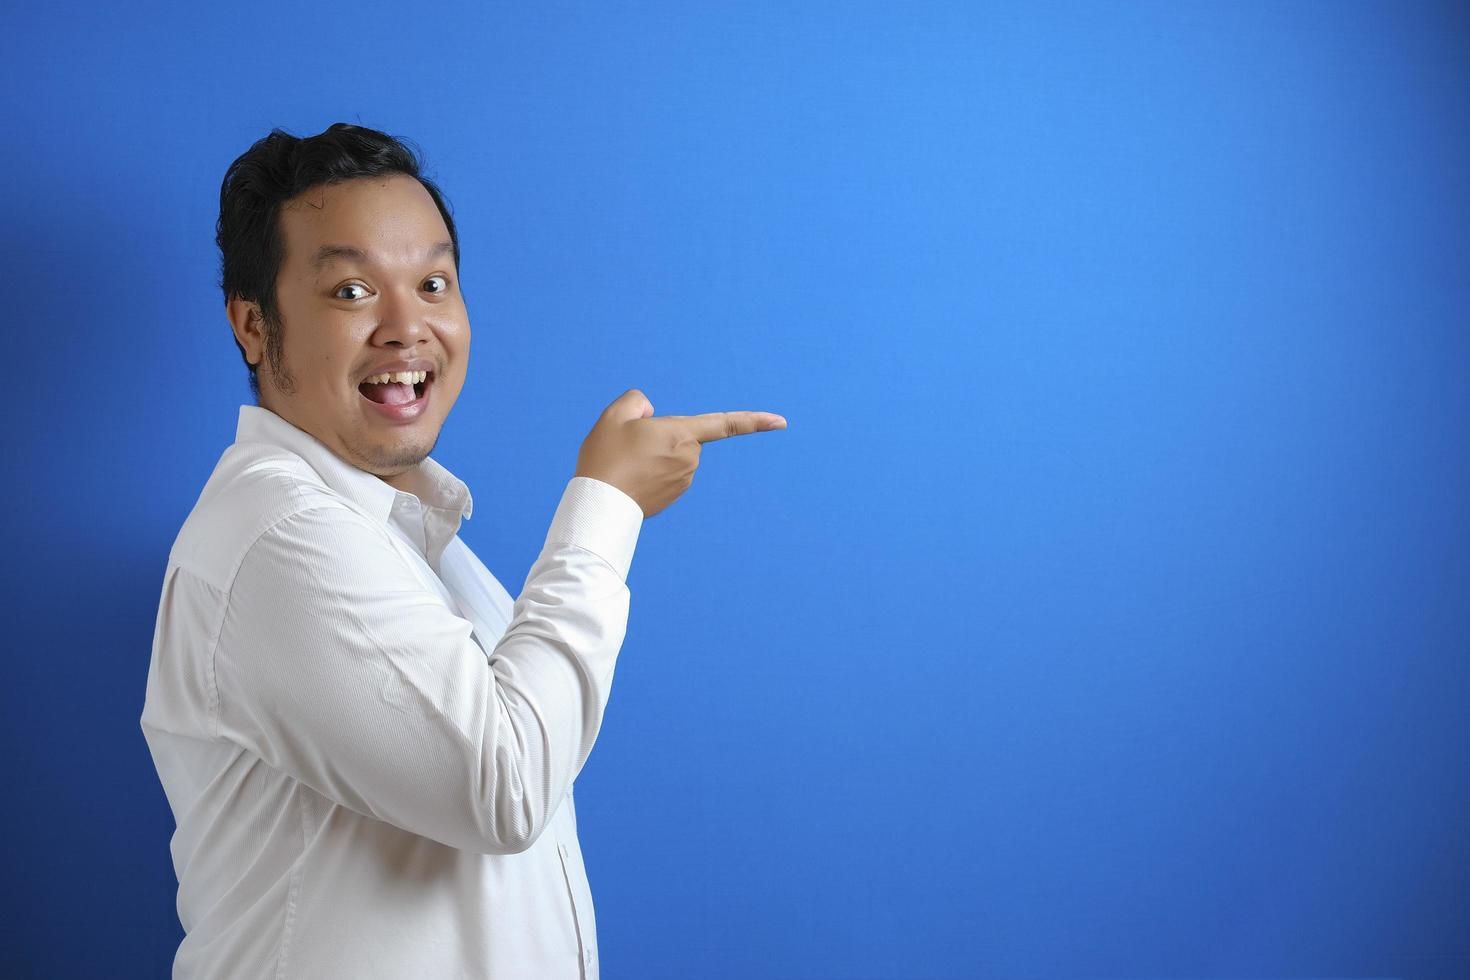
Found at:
<point>328,253</point>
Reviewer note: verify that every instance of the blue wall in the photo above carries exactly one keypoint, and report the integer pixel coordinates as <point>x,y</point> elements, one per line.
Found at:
<point>1102,612</point>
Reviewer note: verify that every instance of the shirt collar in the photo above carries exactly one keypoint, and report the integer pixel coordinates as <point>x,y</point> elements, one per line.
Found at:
<point>435,486</point>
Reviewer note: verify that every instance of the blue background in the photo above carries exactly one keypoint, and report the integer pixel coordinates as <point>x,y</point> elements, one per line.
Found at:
<point>1104,611</point>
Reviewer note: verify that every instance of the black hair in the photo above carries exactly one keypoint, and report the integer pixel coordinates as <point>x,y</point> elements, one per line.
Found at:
<point>275,169</point>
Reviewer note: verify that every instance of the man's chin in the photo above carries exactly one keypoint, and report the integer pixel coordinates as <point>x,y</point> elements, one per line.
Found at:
<point>388,461</point>
<point>387,456</point>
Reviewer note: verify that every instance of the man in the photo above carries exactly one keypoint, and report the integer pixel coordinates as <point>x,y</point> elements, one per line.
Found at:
<point>368,747</point>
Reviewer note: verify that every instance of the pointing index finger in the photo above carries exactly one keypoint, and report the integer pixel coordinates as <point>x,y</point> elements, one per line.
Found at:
<point>720,425</point>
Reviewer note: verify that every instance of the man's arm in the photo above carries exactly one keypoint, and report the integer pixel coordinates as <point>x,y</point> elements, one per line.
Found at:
<point>338,667</point>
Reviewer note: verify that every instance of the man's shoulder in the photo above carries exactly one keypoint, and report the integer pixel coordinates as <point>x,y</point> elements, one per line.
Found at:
<point>253,487</point>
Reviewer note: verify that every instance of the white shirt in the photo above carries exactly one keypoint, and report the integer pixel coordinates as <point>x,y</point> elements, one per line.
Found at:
<point>368,748</point>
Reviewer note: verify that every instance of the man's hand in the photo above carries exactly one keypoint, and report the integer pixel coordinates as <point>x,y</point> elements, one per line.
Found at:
<point>652,459</point>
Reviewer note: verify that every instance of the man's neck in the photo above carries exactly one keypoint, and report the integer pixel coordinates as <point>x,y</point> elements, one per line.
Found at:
<point>407,481</point>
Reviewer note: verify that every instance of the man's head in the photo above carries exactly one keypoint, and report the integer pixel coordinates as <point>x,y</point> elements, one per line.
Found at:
<point>339,262</point>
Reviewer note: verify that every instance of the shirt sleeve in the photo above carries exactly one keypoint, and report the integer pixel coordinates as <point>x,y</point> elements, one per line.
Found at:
<point>337,666</point>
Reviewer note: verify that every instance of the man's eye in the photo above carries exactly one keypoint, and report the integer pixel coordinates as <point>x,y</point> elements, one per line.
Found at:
<point>353,285</point>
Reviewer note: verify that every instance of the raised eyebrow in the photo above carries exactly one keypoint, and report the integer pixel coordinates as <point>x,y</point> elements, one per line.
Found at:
<point>332,253</point>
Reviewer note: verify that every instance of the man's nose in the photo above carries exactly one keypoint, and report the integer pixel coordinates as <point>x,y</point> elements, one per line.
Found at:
<point>401,318</point>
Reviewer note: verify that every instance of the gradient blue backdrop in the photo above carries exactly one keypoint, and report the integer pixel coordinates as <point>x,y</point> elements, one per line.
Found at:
<point>1103,612</point>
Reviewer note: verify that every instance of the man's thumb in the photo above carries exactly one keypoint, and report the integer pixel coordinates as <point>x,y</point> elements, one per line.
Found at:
<point>631,404</point>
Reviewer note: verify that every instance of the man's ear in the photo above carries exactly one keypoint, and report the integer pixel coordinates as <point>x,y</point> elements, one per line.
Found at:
<point>245,320</point>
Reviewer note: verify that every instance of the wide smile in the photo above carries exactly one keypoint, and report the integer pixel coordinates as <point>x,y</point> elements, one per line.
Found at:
<point>399,402</point>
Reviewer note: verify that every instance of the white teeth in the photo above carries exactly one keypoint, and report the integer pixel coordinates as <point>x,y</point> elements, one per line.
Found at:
<point>402,377</point>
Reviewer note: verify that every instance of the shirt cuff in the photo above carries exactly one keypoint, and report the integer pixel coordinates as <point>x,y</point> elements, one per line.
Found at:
<point>600,518</point>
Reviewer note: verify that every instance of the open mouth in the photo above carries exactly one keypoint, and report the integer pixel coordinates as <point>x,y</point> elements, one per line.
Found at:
<point>396,392</point>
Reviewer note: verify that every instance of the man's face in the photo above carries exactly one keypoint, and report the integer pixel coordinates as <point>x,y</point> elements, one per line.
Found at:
<point>346,318</point>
